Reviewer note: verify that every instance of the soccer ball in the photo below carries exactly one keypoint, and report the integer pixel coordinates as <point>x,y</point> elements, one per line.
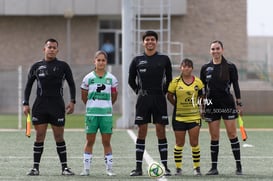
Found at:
<point>156,170</point>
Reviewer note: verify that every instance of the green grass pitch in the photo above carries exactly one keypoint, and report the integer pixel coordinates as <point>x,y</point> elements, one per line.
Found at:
<point>16,154</point>
<point>16,157</point>
<point>77,121</point>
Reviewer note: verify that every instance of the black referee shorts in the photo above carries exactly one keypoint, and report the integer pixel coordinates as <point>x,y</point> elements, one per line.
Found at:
<point>48,110</point>
<point>149,106</point>
<point>221,108</point>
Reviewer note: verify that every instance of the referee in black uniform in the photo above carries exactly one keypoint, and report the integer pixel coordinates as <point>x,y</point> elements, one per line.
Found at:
<point>49,106</point>
<point>149,76</point>
<point>218,75</point>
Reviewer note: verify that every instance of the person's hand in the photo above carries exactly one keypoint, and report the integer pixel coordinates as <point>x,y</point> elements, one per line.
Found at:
<point>70,108</point>
<point>239,107</point>
<point>202,112</point>
<point>202,115</point>
<point>26,110</point>
<point>239,110</point>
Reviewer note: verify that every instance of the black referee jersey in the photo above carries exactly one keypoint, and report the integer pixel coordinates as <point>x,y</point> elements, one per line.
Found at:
<point>215,86</point>
<point>150,73</point>
<point>50,76</point>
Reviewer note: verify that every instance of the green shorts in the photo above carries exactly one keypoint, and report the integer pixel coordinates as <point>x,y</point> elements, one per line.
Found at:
<point>93,123</point>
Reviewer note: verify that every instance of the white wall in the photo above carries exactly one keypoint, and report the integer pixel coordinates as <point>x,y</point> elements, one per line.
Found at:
<point>79,7</point>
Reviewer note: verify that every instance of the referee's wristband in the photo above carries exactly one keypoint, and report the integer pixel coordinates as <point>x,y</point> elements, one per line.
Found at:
<point>239,104</point>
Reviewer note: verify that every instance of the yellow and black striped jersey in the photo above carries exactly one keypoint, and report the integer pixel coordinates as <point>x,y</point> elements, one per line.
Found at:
<point>187,98</point>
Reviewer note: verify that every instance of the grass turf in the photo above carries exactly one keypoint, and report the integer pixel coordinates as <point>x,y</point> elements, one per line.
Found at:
<point>77,121</point>
<point>16,157</point>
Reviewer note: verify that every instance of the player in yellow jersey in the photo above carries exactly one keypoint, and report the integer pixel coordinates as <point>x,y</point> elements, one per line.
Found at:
<point>185,94</point>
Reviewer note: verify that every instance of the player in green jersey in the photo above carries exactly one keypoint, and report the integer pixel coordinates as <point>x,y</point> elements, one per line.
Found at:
<point>99,93</point>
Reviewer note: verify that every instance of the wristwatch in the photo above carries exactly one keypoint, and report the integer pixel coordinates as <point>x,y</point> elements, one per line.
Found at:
<point>25,103</point>
<point>73,101</point>
<point>239,103</point>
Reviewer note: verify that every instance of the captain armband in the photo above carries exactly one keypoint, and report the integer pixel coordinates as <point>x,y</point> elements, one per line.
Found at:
<point>114,90</point>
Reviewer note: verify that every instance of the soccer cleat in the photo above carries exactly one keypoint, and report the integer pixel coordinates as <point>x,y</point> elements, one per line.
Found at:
<point>136,173</point>
<point>67,172</point>
<point>85,172</point>
<point>167,172</point>
<point>110,172</point>
<point>239,171</point>
<point>33,172</point>
<point>178,171</point>
<point>197,171</point>
<point>213,171</point>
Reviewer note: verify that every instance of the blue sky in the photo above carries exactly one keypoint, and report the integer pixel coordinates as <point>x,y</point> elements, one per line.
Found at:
<point>260,17</point>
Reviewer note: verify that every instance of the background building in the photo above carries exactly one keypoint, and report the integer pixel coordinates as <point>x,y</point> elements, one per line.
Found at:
<point>90,23</point>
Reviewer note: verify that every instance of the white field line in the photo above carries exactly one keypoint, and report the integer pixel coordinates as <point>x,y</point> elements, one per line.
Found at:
<point>146,155</point>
